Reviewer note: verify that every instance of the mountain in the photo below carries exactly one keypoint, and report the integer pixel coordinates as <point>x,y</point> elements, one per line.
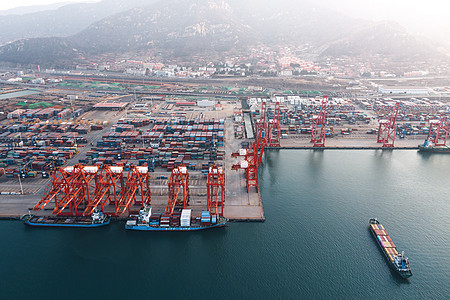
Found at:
<point>213,28</point>
<point>63,21</point>
<point>46,51</point>
<point>294,21</point>
<point>184,27</point>
<point>386,39</point>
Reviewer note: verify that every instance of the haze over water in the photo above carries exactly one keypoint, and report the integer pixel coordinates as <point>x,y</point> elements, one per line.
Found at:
<point>314,244</point>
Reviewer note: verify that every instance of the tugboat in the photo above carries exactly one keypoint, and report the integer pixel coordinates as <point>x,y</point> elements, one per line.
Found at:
<point>97,219</point>
<point>399,262</point>
<point>184,222</point>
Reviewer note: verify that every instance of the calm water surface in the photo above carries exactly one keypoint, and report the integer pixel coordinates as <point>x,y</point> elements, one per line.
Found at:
<point>314,244</point>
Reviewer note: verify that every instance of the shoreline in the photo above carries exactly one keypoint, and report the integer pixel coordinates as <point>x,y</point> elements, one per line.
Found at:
<point>339,148</point>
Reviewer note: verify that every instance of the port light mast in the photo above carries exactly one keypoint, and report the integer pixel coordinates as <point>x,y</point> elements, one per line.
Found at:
<point>179,180</point>
<point>439,130</point>
<point>319,124</point>
<point>274,128</point>
<point>388,128</point>
<point>215,191</point>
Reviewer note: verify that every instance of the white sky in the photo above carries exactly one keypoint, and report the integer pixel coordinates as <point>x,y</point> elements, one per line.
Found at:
<point>7,4</point>
<point>423,17</point>
<point>372,9</point>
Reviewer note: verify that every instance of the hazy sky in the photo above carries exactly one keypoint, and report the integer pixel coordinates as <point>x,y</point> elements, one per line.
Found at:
<point>418,16</point>
<point>4,4</point>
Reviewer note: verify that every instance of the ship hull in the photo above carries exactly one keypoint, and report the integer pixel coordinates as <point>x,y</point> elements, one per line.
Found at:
<point>58,222</point>
<point>402,274</point>
<point>440,149</point>
<point>189,228</point>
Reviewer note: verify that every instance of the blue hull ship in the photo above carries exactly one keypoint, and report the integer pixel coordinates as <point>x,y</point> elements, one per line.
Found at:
<point>145,221</point>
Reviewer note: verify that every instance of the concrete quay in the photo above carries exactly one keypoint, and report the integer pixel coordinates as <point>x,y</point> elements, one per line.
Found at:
<point>239,205</point>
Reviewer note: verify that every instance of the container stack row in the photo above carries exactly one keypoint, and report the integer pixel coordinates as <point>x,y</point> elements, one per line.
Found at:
<point>385,241</point>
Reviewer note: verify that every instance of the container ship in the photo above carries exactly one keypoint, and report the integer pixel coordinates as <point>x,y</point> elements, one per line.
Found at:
<point>96,220</point>
<point>398,261</point>
<point>182,222</point>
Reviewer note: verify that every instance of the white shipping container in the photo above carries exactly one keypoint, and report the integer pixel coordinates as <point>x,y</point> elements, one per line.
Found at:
<point>185,222</point>
<point>186,211</point>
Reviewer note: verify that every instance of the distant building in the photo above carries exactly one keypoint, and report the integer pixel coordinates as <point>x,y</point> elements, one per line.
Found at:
<point>286,73</point>
<point>409,90</point>
<point>72,97</point>
<point>136,72</point>
<point>140,106</point>
<point>110,106</point>
<point>207,103</point>
<point>162,74</point>
<point>38,81</point>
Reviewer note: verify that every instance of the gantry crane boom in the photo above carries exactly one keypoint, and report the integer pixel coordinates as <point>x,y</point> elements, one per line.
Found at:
<point>215,190</point>
<point>107,179</point>
<point>320,121</point>
<point>137,178</point>
<point>390,128</point>
<point>253,157</point>
<point>261,124</point>
<point>78,191</point>
<point>179,180</point>
<point>439,131</point>
<point>61,180</point>
<point>274,128</point>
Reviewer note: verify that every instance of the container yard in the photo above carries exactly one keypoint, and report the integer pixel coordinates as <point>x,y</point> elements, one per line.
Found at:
<point>40,144</point>
<point>62,133</point>
<point>351,123</point>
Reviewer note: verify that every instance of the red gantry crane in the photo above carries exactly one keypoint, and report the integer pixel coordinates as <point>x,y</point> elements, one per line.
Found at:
<point>252,161</point>
<point>215,190</point>
<point>59,186</point>
<point>108,184</point>
<point>388,128</point>
<point>261,123</point>
<point>179,180</point>
<point>78,192</point>
<point>138,182</point>
<point>274,128</point>
<point>319,124</point>
<point>439,130</point>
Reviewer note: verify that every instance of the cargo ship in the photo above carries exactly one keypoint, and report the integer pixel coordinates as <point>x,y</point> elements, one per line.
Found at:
<point>427,147</point>
<point>182,222</point>
<point>96,220</point>
<point>398,261</point>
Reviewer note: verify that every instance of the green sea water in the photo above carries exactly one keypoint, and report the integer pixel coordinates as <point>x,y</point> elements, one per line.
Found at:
<point>315,243</point>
